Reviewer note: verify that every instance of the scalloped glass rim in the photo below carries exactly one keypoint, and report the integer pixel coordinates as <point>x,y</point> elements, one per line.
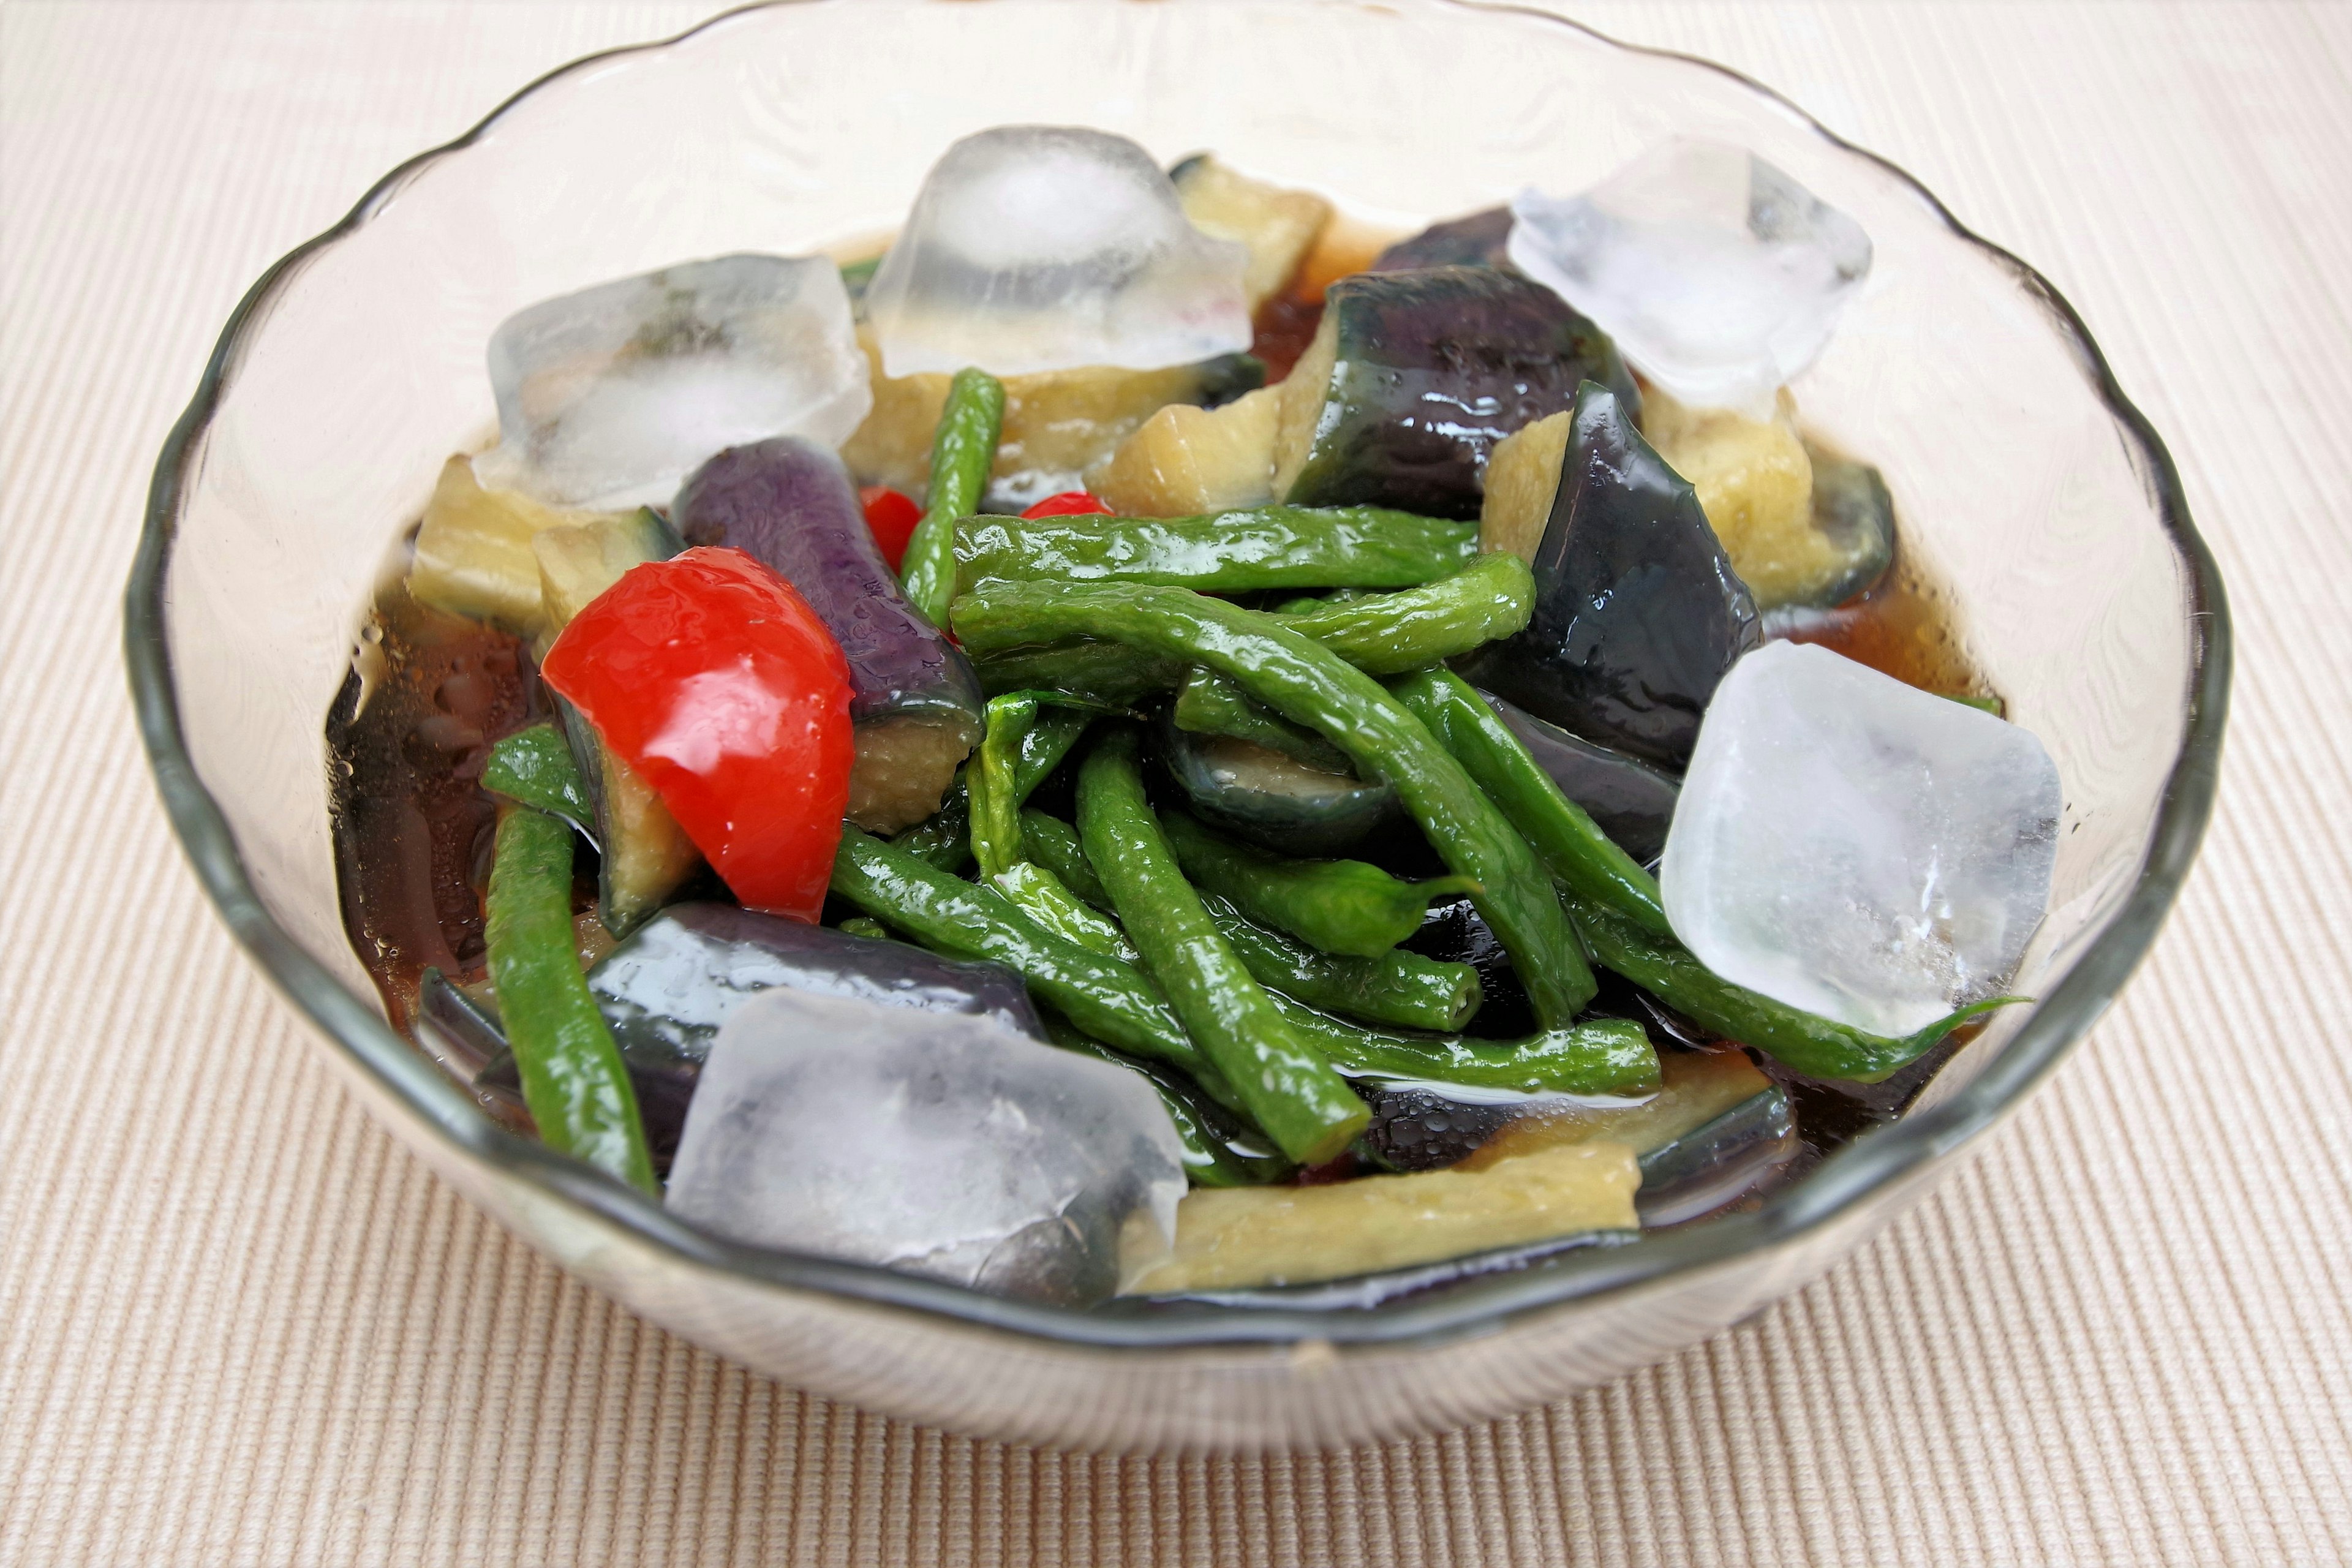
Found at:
<point>1902,1149</point>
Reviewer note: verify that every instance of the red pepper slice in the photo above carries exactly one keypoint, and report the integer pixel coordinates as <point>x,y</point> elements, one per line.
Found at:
<point>892,517</point>
<point>712,678</point>
<point>1070,503</point>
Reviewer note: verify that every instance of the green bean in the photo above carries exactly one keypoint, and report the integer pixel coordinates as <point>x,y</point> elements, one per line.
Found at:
<point>1815,1045</point>
<point>1386,634</point>
<point>1054,844</point>
<point>1397,987</point>
<point>1105,998</point>
<point>573,1077</point>
<point>944,839</point>
<point>992,797</point>
<point>1568,839</point>
<point>862,925</point>
<point>963,450</point>
<point>1350,907</point>
<point>1037,892</point>
<point>1218,1150</point>
<point>1287,1089</point>
<point>1599,1055</point>
<point>1222,552</point>
<point>1107,671</point>
<point>1308,684</point>
<point>1209,704</point>
<point>535,767</point>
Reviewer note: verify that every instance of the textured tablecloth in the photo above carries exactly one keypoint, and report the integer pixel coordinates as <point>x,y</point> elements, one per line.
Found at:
<point>238,1326</point>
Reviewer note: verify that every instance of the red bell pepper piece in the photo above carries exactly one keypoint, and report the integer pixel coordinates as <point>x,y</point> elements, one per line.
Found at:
<point>1070,503</point>
<point>713,679</point>
<point>892,517</point>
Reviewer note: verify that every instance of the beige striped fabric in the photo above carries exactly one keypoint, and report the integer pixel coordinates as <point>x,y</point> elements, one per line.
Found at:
<point>238,1326</point>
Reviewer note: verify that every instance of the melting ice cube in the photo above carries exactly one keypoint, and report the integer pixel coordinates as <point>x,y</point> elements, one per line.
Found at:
<point>611,396</point>
<point>1037,248</point>
<point>1856,846</point>
<point>1719,276</point>
<point>943,1144</point>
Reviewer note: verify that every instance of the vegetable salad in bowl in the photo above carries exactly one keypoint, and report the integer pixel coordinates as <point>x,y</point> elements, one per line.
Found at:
<point>1153,741</point>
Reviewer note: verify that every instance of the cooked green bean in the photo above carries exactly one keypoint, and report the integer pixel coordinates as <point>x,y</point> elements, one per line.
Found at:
<point>1308,684</point>
<point>572,1076</point>
<point>535,767</point>
<point>1218,1152</point>
<point>1599,1055</point>
<point>944,839</point>
<point>865,926</point>
<point>963,450</point>
<point>1287,1089</point>
<point>1570,841</point>
<point>1107,671</point>
<point>1819,1047</point>
<point>1385,633</point>
<point>1054,844</point>
<point>1105,998</point>
<point>1037,892</point>
<point>1209,704</point>
<point>1397,987</point>
<point>1350,907</point>
<point>1222,553</point>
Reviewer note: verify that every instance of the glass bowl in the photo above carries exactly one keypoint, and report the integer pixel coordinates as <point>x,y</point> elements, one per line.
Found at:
<point>355,365</point>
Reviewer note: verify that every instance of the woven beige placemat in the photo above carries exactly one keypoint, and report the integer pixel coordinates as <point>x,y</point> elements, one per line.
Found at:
<point>238,1326</point>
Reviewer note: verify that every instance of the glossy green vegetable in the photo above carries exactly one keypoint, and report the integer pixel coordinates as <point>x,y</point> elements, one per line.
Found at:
<point>1209,704</point>
<point>1289,1089</point>
<point>1054,844</point>
<point>865,926</point>
<point>1308,684</point>
<point>1349,907</point>
<point>1813,1044</point>
<point>1600,1055</point>
<point>1385,633</point>
<point>945,839</point>
<point>1218,1150</point>
<point>963,450</point>
<point>1223,553</point>
<point>1107,672</point>
<point>1577,852</point>
<point>1397,987</point>
<point>572,1076</point>
<point>1106,998</point>
<point>534,767</point>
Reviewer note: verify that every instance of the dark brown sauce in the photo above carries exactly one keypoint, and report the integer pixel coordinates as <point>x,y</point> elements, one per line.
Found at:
<point>1905,626</point>
<point>412,823</point>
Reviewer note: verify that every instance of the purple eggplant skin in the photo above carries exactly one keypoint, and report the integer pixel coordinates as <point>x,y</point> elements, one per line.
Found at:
<point>1479,239</point>
<point>1638,614</point>
<point>1631,800</point>
<point>917,705</point>
<point>668,988</point>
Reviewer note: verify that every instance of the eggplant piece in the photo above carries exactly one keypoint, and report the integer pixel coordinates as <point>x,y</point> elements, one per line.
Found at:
<point>645,856</point>
<point>914,700</point>
<point>1717,1161</point>
<point>1416,1129</point>
<point>667,989</point>
<point>1638,613</point>
<point>1269,799</point>
<point>1278,226</point>
<point>1631,800</point>
<point>1455,932</point>
<point>1414,377</point>
<point>1478,239</point>
<point>1855,517</point>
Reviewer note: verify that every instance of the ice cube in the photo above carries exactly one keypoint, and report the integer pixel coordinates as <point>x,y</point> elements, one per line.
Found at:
<point>1038,247</point>
<point>940,1143</point>
<point>1719,276</point>
<point>611,396</point>
<point>1856,846</point>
